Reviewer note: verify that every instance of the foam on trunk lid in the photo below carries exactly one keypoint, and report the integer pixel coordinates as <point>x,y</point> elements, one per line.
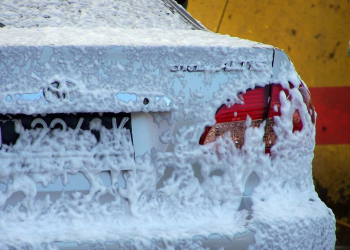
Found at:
<point>284,203</point>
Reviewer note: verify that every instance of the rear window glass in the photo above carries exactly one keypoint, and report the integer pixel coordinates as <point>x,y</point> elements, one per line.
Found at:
<point>131,14</point>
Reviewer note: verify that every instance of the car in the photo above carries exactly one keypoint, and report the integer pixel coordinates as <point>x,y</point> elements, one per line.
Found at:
<point>129,125</point>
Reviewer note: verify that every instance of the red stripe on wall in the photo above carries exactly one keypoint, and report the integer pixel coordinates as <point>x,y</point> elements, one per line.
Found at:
<point>333,114</point>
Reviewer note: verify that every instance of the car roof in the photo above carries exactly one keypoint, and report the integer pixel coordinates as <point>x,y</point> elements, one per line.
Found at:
<point>105,22</point>
<point>130,14</point>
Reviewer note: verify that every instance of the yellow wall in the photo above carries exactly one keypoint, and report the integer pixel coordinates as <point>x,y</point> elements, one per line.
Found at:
<point>315,34</point>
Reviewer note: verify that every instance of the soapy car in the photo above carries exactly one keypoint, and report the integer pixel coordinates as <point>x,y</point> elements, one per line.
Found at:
<point>129,125</point>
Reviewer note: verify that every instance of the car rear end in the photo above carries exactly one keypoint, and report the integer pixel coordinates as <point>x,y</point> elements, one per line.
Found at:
<point>153,139</point>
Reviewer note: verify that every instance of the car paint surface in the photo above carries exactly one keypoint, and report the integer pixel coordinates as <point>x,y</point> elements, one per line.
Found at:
<point>165,189</point>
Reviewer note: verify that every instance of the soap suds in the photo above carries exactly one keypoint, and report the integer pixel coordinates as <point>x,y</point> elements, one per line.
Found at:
<point>83,70</point>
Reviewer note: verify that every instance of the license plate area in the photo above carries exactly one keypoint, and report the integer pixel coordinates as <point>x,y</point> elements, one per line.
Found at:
<point>69,157</point>
<point>81,132</point>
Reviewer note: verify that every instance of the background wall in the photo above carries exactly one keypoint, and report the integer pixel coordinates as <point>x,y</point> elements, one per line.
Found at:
<point>315,34</point>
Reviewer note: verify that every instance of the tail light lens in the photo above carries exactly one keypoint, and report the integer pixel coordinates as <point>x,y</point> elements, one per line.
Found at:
<point>233,118</point>
<point>260,104</point>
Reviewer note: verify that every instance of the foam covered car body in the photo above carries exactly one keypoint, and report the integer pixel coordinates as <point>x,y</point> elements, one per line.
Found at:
<point>128,124</point>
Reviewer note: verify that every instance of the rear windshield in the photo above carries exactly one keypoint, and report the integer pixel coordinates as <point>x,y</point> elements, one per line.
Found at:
<point>130,14</point>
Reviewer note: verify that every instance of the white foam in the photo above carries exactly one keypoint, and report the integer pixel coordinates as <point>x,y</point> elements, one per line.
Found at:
<point>92,65</point>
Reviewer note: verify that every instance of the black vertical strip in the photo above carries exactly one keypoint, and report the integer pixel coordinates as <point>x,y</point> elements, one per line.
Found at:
<point>273,57</point>
<point>268,90</point>
<point>0,136</point>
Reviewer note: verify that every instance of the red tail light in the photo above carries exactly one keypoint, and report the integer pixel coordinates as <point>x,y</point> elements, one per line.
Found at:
<point>260,104</point>
<point>233,118</point>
